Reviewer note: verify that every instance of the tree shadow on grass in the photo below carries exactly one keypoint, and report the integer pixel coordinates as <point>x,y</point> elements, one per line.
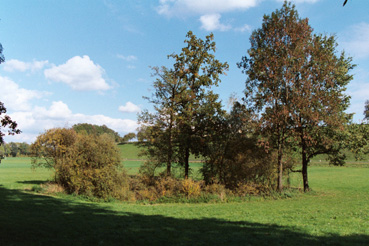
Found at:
<point>27,219</point>
<point>34,182</point>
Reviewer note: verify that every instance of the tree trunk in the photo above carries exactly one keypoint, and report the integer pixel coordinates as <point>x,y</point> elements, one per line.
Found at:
<point>280,163</point>
<point>187,166</point>
<point>280,169</point>
<point>305,162</point>
<point>170,150</point>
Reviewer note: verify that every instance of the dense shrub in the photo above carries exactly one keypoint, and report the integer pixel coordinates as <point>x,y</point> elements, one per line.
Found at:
<point>52,146</point>
<point>83,164</point>
<point>242,161</point>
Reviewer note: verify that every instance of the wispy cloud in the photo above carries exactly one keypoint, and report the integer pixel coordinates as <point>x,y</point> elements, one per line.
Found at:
<point>128,58</point>
<point>355,40</point>
<point>15,65</point>
<point>181,8</point>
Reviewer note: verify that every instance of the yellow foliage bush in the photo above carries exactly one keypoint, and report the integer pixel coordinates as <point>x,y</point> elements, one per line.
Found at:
<point>191,188</point>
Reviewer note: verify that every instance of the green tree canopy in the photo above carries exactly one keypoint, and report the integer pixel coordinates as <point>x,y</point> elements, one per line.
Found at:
<point>184,103</point>
<point>97,130</point>
<point>296,82</point>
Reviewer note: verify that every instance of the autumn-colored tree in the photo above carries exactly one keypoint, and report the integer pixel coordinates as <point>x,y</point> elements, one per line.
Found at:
<point>5,120</point>
<point>296,82</point>
<point>128,137</point>
<point>52,146</point>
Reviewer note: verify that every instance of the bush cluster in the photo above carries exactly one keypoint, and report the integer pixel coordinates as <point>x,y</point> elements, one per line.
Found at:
<point>84,164</point>
<point>90,165</point>
<point>169,189</point>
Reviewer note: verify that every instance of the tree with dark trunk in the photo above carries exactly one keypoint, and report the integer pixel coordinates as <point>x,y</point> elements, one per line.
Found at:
<point>296,83</point>
<point>184,103</point>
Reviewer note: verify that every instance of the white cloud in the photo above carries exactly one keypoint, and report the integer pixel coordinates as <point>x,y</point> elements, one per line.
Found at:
<point>16,98</point>
<point>211,23</point>
<point>15,65</point>
<point>129,108</point>
<point>80,73</point>
<point>356,40</point>
<point>127,58</point>
<point>39,119</point>
<point>184,7</point>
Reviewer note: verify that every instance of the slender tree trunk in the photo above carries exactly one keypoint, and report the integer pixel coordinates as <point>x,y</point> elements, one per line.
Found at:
<point>170,150</point>
<point>305,163</point>
<point>280,163</point>
<point>187,166</point>
<point>280,168</point>
<point>169,165</point>
<point>305,174</point>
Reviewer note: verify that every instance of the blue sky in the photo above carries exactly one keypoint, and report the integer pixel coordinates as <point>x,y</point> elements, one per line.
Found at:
<point>71,62</point>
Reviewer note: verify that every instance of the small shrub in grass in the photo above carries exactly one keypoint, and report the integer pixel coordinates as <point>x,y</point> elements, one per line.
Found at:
<point>48,188</point>
<point>218,190</point>
<point>52,188</point>
<point>246,189</point>
<point>191,188</point>
<point>168,186</point>
<point>37,189</point>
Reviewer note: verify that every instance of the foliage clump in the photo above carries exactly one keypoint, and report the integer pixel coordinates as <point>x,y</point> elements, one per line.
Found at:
<point>83,164</point>
<point>96,130</point>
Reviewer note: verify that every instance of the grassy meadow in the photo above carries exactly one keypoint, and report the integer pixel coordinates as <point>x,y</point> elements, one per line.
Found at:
<point>336,212</point>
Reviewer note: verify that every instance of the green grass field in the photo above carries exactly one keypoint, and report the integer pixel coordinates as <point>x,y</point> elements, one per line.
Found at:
<point>335,213</point>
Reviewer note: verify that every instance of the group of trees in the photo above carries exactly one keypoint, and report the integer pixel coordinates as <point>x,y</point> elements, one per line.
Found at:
<point>15,149</point>
<point>96,130</point>
<point>186,109</point>
<point>294,103</point>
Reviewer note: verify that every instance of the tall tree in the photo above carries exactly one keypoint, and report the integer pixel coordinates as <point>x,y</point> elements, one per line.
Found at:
<point>158,131</point>
<point>296,82</point>
<point>184,102</point>
<point>198,70</point>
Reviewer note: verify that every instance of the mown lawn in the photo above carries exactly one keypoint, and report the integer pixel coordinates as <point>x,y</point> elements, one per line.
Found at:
<point>335,213</point>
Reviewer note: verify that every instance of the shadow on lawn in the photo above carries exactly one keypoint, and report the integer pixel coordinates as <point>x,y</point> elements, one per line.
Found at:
<point>27,219</point>
<point>34,182</point>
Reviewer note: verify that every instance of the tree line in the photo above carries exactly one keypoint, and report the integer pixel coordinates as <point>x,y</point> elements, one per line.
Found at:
<point>293,106</point>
